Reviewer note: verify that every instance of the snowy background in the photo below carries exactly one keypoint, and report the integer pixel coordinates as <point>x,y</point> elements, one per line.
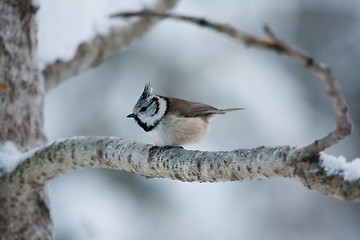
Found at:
<point>285,105</point>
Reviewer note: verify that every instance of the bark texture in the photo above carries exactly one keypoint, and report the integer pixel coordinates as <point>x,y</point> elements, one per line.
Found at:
<point>179,164</point>
<point>24,212</point>
<point>21,85</point>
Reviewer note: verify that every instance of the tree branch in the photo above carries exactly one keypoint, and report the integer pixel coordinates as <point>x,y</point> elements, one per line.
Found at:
<point>323,72</point>
<point>302,164</point>
<point>92,53</point>
<point>319,69</point>
<point>175,163</point>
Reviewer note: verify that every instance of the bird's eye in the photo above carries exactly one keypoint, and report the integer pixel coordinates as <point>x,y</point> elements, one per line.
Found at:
<point>143,109</point>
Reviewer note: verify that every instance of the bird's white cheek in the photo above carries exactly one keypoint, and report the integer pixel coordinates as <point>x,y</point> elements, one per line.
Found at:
<point>152,120</point>
<point>149,120</point>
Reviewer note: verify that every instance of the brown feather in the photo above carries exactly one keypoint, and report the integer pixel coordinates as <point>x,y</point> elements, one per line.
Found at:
<point>194,109</point>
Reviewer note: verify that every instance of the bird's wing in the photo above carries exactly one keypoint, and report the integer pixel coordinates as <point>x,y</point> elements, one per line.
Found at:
<point>185,108</point>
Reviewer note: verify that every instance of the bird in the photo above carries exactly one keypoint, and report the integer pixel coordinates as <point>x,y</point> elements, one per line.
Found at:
<point>173,122</point>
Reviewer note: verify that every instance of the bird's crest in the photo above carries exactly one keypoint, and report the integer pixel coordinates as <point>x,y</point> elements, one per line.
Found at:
<point>148,91</point>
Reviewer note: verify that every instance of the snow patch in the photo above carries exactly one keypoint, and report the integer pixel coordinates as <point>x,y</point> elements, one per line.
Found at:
<point>338,165</point>
<point>10,157</point>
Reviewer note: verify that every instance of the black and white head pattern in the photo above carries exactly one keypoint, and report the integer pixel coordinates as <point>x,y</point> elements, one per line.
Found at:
<point>149,109</point>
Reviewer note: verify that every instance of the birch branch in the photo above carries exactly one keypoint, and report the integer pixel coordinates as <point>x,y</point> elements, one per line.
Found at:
<point>175,163</point>
<point>319,69</point>
<point>92,53</point>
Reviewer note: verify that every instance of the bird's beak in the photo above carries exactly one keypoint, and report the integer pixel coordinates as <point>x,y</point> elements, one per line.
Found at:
<point>130,115</point>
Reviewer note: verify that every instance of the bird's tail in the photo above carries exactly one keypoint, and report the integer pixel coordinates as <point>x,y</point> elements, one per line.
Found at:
<point>231,109</point>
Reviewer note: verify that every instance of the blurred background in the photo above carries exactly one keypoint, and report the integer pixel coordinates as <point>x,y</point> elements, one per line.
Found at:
<point>285,105</point>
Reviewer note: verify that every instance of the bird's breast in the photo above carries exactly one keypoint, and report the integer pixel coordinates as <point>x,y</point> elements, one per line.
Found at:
<point>177,131</point>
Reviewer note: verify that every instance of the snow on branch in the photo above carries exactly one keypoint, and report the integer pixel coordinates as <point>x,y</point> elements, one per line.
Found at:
<point>319,69</point>
<point>339,166</point>
<point>10,157</point>
<point>92,53</point>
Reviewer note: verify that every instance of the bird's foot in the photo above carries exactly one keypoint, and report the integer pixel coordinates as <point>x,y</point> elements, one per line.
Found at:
<point>171,146</point>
